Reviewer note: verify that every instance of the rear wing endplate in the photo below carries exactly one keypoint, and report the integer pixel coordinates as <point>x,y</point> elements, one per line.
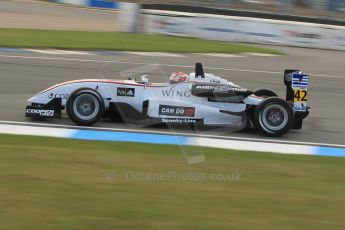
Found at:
<point>296,83</point>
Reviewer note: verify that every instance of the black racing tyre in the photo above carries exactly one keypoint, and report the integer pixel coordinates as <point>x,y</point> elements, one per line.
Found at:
<point>274,117</point>
<point>265,93</point>
<point>85,107</point>
<point>298,124</point>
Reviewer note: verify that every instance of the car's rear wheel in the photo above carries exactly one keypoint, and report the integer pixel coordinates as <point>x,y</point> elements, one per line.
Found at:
<point>274,117</point>
<point>85,107</point>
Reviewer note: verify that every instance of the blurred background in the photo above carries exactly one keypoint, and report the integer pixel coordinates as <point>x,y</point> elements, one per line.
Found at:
<point>318,8</point>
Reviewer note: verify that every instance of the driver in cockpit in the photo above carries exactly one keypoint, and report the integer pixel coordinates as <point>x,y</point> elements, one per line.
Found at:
<point>178,77</point>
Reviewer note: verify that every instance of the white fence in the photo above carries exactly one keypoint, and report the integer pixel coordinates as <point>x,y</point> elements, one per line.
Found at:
<point>241,29</point>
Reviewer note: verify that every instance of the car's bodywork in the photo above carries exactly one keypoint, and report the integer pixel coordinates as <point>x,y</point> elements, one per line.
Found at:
<point>205,99</point>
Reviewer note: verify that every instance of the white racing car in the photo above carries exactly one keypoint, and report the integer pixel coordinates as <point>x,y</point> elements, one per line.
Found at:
<point>197,98</point>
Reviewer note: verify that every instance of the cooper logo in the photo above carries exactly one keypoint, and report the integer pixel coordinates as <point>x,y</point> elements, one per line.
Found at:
<point>41,112</point>
<point>176,111</point>
<point>58,95</point>
<point>175,93</point>
<point>125,92</point>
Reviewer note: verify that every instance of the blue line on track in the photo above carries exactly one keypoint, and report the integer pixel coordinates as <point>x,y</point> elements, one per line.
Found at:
<point>330,151</point>
<point>129,137</point>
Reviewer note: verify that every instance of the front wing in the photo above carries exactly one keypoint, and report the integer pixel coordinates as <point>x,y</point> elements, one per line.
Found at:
<point>50,110</point>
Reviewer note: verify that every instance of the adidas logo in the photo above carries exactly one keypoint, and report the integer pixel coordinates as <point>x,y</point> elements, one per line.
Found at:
<point>130,93</point>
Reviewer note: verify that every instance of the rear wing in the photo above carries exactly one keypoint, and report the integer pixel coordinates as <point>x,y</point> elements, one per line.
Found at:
<point>296,83</point>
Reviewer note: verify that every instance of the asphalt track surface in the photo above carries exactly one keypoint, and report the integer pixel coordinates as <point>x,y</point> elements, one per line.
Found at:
<point>24,74</point>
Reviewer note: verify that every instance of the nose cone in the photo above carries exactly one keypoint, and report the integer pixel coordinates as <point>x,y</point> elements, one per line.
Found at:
<point>32,99</point>
<point>40,98</point>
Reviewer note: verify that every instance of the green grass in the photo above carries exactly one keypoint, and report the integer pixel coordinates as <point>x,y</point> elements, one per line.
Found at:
<point>23,38</point>
<point>48,183</point>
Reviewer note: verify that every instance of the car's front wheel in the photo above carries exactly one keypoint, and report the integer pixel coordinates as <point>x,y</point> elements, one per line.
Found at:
<point>85,107</point>
<point>274,116</point>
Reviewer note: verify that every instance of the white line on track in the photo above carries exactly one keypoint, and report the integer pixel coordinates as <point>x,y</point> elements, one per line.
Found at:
<point>60,52</point>
<point>262,54</point>
<point>156,54</point>
<point>171,133</point>
<point>145,63</point>
<point>220,55</point>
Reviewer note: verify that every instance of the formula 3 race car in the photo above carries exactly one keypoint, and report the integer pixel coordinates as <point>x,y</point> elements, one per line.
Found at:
<point>197,98</point>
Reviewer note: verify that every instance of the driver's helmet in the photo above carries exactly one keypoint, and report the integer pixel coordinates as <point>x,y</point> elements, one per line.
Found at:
<point>178,77</point>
